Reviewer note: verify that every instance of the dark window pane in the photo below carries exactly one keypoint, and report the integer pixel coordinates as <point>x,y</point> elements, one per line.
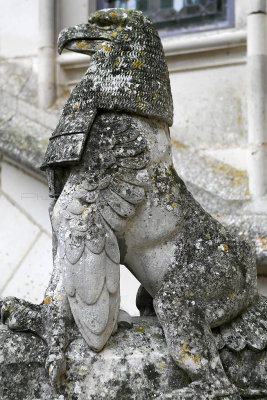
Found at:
<point>142,5</point>
<point>182,16</point>
<point>105,4</point>
<point>190,2</point>
<point>166,3</point>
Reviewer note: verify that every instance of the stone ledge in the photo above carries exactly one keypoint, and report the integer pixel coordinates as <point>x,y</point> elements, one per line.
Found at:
<point>134,365</point>
<point>24,141</point>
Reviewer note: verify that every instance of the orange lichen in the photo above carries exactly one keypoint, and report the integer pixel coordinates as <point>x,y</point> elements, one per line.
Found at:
<point>86,210</point>
<point>141,329</point>
<point>47,300</point>
<point>138,64</point>
<point>83,45</point>
<point>178,145</point>
<point>237,176</point>
<point>185,354</point>
<point>262,240</point>
<point>162,365</point>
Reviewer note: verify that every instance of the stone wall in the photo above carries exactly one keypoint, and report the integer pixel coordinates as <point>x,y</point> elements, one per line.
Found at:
<point>207,71</point>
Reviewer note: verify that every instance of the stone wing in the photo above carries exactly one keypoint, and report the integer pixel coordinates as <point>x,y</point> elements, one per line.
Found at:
<point>98,198</point>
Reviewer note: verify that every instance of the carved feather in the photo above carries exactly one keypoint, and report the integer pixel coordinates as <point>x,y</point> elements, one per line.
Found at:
<point>118,204</point>
<point>115,160</point>
<point>127,191</point>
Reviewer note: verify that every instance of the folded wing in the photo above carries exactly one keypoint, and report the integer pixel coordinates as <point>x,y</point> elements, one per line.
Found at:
<point>98,198</point>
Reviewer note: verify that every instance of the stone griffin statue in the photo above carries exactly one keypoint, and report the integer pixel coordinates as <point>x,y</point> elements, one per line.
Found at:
<point>118,199</point>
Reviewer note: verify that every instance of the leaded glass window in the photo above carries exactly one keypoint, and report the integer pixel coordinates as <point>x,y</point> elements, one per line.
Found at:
<point>182,16</point>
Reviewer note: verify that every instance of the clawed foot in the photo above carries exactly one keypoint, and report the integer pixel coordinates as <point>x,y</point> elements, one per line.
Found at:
<point>56,365</point>
<point>45,322</point>
<point>55,329</point>
<point>20,315</point>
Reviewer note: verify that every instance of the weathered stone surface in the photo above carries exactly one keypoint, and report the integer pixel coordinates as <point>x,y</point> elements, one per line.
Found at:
<point>118,198</point>
<point>221,190</point>
<point>134,365</point>
<point>23,140</point>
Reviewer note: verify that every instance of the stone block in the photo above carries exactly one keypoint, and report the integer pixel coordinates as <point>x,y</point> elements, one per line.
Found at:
<point>17,234</point>
<point>28,193</point>
<point>32,278</point>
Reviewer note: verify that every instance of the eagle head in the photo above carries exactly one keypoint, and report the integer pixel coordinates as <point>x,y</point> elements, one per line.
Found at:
<point>128,70</point>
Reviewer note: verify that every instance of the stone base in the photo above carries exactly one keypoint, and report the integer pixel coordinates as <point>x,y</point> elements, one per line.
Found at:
<point>134,365</point>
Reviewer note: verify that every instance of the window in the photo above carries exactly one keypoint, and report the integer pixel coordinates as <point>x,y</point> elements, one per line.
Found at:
<point>181,16</point>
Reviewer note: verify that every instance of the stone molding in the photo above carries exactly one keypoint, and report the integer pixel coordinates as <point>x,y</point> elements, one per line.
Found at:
<point>185,52</point>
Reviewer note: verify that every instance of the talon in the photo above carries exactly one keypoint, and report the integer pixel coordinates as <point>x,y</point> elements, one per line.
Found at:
<point>56,365</point>
<point>16,320</point>
<point>7,307</point>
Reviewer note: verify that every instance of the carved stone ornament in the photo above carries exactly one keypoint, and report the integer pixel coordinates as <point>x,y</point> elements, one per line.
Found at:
<point>118,199</point>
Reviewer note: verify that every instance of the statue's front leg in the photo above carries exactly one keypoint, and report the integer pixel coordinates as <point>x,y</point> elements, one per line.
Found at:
<point>51,320</point>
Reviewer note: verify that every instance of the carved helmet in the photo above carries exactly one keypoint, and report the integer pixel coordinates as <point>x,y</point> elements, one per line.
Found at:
<point>128,70</point>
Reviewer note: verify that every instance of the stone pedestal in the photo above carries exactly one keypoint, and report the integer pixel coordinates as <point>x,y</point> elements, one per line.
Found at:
<point>134,365</point>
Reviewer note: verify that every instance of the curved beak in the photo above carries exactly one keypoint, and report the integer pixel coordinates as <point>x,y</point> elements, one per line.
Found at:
<point>83,38</point>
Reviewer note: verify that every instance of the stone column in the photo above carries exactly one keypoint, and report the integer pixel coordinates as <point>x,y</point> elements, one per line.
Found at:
<point>257,97</point>
<point>46,54</point>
